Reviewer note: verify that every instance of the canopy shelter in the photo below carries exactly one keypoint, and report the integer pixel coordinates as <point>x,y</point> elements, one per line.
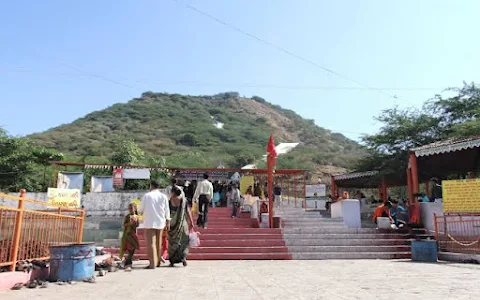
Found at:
<point>441,159</point>
<point>362,180</point>
<point>368,179</point>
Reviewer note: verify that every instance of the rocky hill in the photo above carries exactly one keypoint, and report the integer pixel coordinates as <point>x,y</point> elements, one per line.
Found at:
<point>202,131</point>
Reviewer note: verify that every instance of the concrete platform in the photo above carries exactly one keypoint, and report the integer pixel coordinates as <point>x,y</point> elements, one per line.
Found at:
<point>286,280</point>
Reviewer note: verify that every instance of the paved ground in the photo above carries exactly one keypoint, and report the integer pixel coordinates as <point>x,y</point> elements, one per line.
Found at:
<point>280,280</point>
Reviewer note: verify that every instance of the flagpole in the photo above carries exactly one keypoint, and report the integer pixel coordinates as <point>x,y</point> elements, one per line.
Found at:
<point>270,189</point>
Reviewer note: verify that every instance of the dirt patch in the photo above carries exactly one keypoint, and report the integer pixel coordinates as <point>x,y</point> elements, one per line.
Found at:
<point>324,173</point>
<point>280,122</point>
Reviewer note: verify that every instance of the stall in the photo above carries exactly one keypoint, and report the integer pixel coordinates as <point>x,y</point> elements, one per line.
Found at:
<point>454,158</point>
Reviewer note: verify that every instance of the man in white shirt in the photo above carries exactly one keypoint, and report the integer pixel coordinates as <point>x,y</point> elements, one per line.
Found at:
<point>204,195</point>
<point>156,216</point>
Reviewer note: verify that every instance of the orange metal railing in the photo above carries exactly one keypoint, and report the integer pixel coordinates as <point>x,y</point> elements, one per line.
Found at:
<point>27,234</point>
<point>458,233</point>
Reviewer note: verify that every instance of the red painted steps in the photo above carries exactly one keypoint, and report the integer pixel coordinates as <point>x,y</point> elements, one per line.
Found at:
<point>232,239</point>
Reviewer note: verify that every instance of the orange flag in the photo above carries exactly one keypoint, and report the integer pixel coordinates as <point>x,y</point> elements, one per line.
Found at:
<point>271,149</point>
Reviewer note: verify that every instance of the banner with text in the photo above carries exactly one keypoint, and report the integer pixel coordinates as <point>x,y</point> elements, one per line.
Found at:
<point>198,175</point>
<point>64,197</point>
<point>118,177</point>
<point>316,190</point>
<point>461,196</point>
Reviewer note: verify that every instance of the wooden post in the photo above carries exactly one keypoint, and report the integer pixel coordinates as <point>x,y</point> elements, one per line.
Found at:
<point>333,188</point>
<point>82,224</point>
<point>409,187</point>
<point>270,190</point>
<point>414,172</point>
<point>384,189</point>
<point>305,189</point>
<point>295,188</point>
<point>17,231</point>
<point>55,175</point>
<point>414,209</point>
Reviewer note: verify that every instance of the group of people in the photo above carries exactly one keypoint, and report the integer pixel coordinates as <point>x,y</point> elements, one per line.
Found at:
<point>162,216</point>
<point>168,220</point>
<point>394,211</point>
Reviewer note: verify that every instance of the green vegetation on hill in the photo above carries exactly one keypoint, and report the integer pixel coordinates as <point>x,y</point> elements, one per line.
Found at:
<point>179,131</point>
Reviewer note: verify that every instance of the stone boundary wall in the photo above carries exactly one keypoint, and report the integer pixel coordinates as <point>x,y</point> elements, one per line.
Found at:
<point>95,204</point>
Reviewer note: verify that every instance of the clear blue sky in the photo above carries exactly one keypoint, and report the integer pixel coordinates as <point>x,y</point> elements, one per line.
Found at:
<point>59,59</point>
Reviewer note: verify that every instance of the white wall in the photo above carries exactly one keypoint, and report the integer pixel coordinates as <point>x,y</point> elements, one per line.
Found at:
<point>428,209</point>
<point>95,204</point>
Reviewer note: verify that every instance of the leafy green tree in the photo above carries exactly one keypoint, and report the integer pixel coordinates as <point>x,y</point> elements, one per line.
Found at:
<point>43,157</point>
<point>458,116</point>
<point>441,118</point>
<point>127,152</point>
<point>16,164</point>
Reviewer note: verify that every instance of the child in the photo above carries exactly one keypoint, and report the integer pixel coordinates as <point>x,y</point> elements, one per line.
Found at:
<point>129,238</point>
<point>164,246</point>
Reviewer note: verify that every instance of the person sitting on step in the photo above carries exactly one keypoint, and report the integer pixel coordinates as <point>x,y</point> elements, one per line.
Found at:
<point>382,210</point>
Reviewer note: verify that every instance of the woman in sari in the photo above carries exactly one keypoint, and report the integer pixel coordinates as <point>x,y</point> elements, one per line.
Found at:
<point>180,225</point>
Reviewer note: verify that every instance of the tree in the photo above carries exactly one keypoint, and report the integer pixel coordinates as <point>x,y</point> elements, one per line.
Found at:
<point>458,116</point>
<point>440,118</point>
<point>244,158</point>
<point>16,163</point>
<point>127,152</point>
<point>188,139</point>
<point>43,157</point>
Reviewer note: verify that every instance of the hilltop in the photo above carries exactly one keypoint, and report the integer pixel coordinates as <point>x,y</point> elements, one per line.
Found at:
<point>202,131</point>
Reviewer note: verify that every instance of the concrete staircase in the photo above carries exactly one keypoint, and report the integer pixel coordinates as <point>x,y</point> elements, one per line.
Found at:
<point>308,235</point>
<point>237,239</point>
<point>232,239</point>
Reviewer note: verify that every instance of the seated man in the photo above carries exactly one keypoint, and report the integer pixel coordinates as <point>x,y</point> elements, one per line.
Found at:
<point>382,210</point>
<point>399,214</point>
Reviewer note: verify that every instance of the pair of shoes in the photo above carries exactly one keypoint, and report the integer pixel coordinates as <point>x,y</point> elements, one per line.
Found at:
<point>184,262</point>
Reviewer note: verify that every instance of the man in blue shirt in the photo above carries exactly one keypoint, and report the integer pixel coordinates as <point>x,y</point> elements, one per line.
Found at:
<point>399,214</point>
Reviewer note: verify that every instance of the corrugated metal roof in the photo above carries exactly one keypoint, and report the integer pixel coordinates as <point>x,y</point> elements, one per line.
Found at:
<point>447,146</point>
<point>355,175</point>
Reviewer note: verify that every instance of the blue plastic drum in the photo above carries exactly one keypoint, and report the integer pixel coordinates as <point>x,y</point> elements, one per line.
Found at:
<point>72,262</point>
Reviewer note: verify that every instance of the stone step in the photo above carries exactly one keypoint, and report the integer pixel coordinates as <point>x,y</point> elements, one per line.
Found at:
<point>272,249</point>
<point>371,236</point>
<point>326,230</point>
<point>298,216</point>
<point>351,255</point>
<point>313,221</point>
<point>330,227</point>
<point>333,249</point>
<point>345,242</point>
<point>296,211</point>
<point>231,256</point>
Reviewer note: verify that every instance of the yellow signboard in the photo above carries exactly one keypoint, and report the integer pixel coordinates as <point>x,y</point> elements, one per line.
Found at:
<point>461,196</point>
<point>64,197</point>
<point>245,182</point>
